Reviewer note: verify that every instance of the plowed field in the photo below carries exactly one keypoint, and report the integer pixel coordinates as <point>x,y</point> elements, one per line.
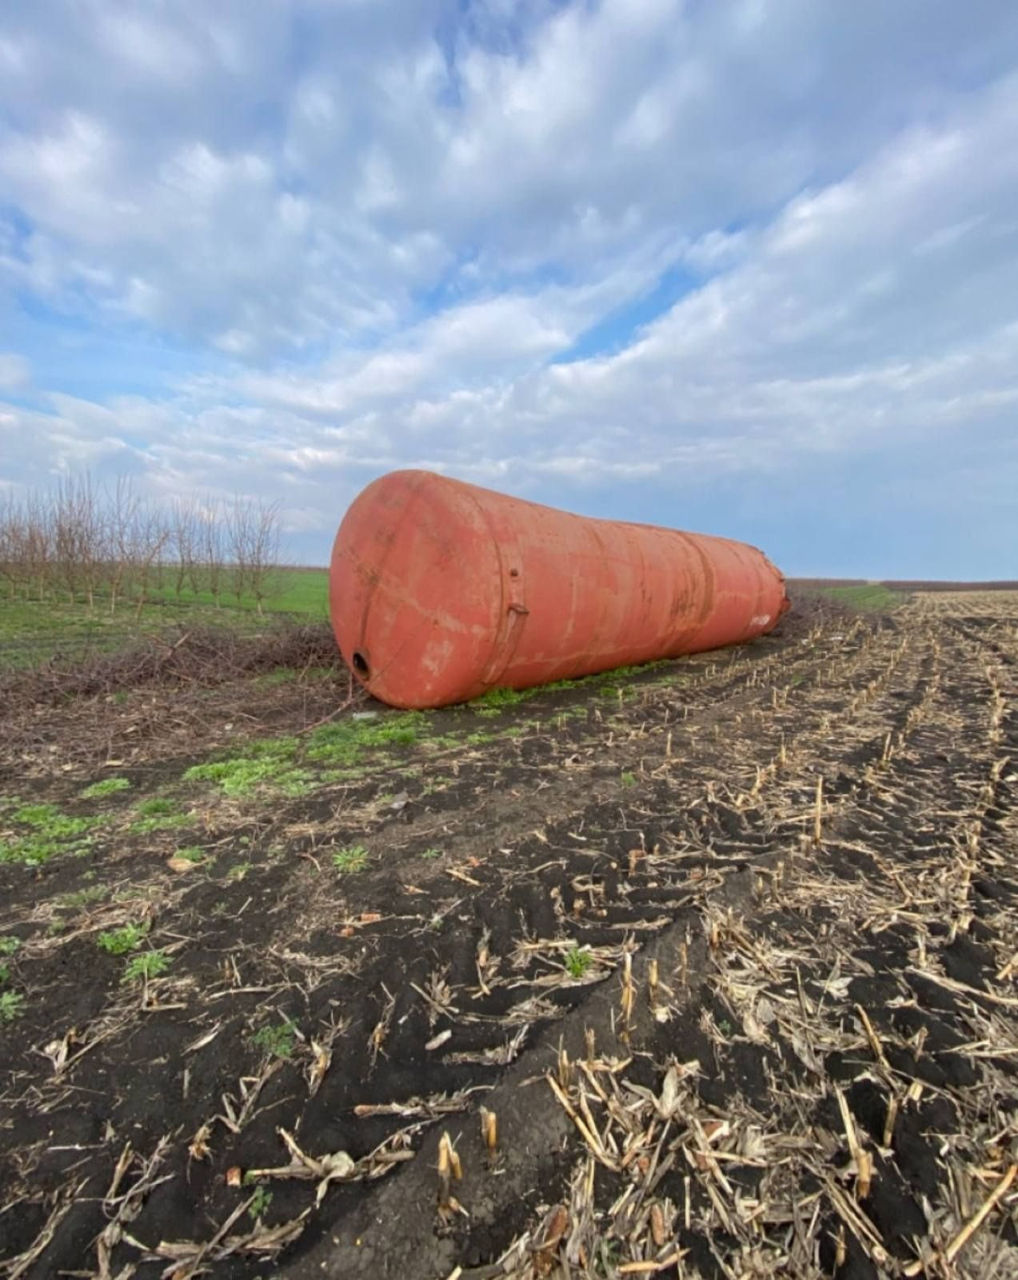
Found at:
<point>707,969</point>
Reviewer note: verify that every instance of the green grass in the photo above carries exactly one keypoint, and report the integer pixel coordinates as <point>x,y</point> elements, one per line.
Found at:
<point>34,631</point>
<point>83,897</point>
<point>157,807</point>
<point>118,942</point>
<point>496,700</point>
<point>267,762</point>
<point>332,753</point>
<point>159,813</point>
<point>31,851</point>
<point>355,748</point>
<point>301,591</point>
<point>50,822</point>
<point>353,858</point>
<point>344,742</point>
<point>107,787</point>
<point>872,597</point>
<point>289,675</point>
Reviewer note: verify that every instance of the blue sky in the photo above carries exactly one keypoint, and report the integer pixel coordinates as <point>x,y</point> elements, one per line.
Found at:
<point>749,268</point>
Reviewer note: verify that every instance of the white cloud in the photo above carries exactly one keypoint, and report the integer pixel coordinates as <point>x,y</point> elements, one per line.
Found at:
<point>829,331</point>
<point>15,371</point>
<point>377,227</point>
<point>212,193</point>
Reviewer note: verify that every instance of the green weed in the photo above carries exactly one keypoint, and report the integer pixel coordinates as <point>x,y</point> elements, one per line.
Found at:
<point>36,815</point>
<point>11,1005</point>
<point>82,897</point>
<point>267,762</point>
<point>353,858</point>
<point>107,787</point>
<point>157,807</point>
<point>432,853</point>
<point>50,833</point>
<point>260,1201</point>
<point>48,820</point>
<point>628,779</point>
<point>8,946</point>
<point>559,686</point>
<point>117,942</point>
<point>158,814</point>
<point>495,701</point>
<point>150,964</point>
<point>275,1041</point>
<point>344,742</point>
<point>342,775</point>
<point>271,748</point>
<point>32,851</point>
<point>191,853</point>
<point>144,826</point>
<point>578,962</point>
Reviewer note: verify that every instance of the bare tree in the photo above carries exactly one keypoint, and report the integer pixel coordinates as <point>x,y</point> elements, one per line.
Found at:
<point>11,539</point>
<point>150,536</point>
<point>264,551</point>
<point>37,547</point>
<point>122,515</point>
<point>92,543</point>
<point>238,535</point>
<point>252,528</point>
<point>185,521</point>
<point>213,549</point>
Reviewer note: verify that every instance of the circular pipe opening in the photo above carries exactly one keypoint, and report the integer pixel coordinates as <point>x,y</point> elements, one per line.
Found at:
<point>360,665</point>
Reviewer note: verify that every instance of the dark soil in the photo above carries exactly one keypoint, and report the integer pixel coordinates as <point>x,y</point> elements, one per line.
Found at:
<point>729,1024</point>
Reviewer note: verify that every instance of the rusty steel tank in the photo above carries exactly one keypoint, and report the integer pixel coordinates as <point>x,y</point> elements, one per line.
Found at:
<point>440,590</point>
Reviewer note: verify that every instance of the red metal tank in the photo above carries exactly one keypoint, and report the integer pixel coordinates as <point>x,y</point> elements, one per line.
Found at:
<point>440,590</point>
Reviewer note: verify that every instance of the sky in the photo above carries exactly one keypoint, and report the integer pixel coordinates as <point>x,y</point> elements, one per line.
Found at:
<point>745,267</point>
